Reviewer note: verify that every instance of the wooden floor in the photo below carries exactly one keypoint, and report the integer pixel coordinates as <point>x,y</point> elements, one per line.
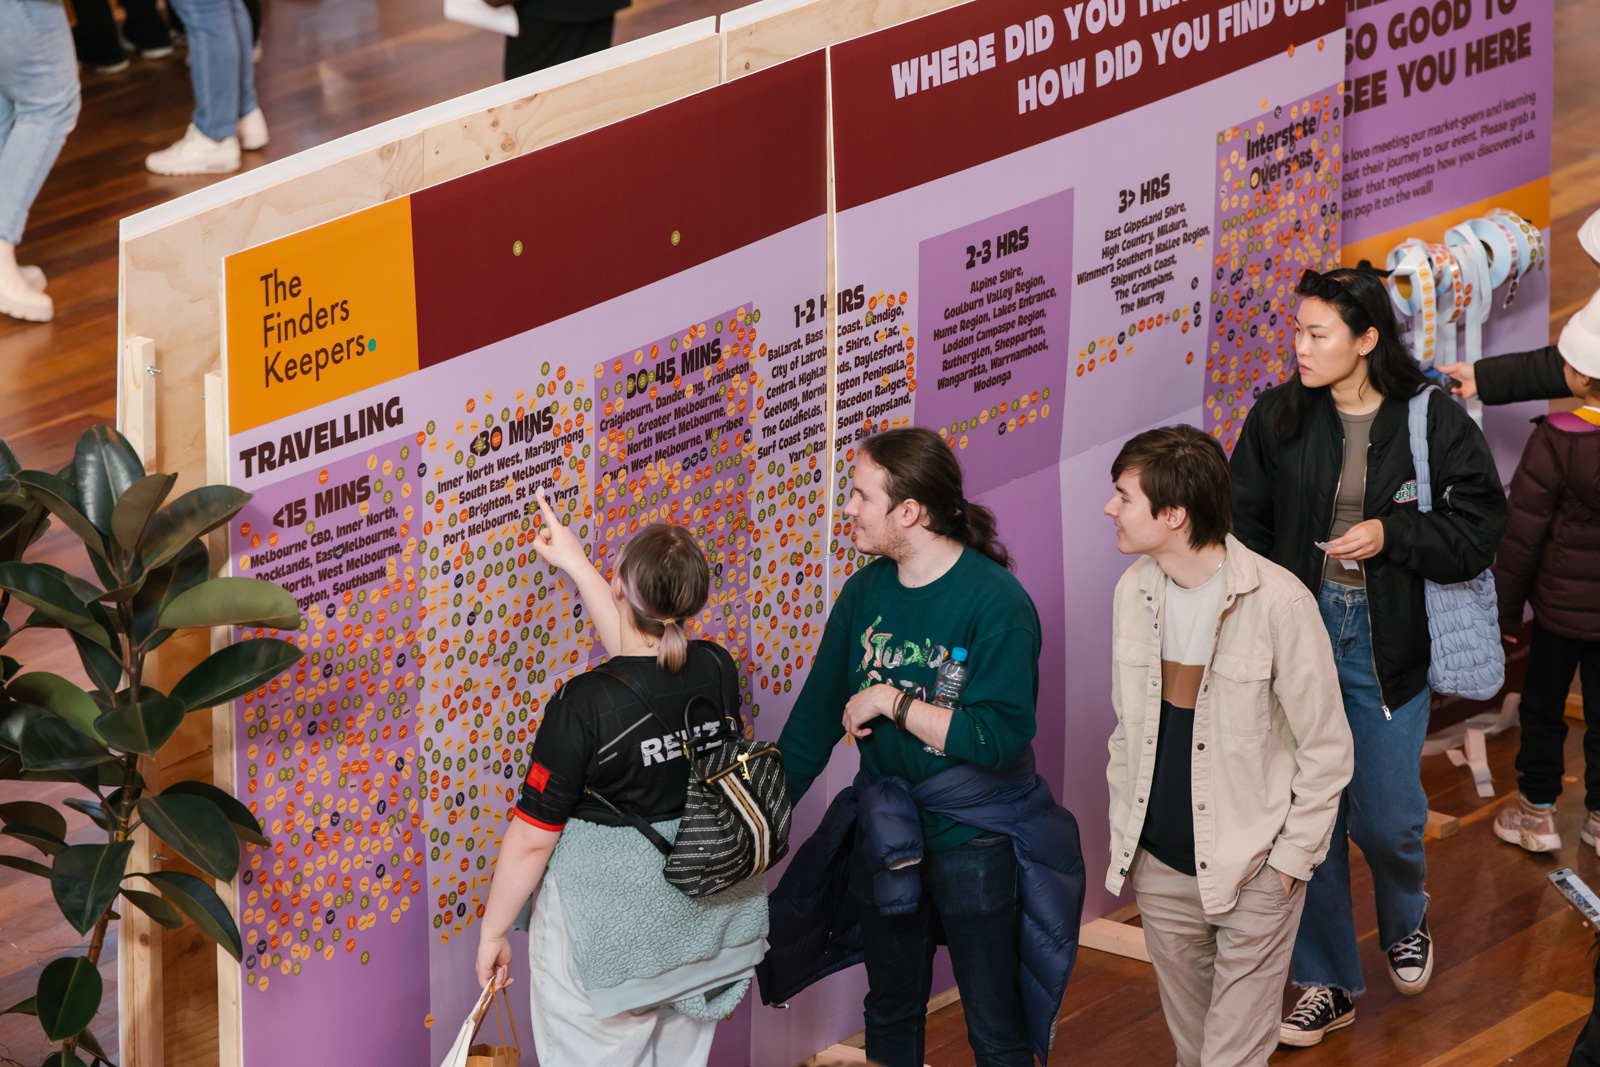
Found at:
<point>1513,975</point>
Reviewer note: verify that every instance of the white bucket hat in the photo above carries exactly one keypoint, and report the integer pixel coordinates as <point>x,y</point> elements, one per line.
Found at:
<point>1580,338</point>
<point>1589,236</point>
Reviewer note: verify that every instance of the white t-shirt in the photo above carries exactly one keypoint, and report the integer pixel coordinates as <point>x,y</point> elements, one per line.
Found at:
<point>1191,617</point>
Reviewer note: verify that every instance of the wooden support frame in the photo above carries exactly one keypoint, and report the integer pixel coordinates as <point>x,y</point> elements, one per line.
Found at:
<point>1112,933</point>
<point>770,31</point>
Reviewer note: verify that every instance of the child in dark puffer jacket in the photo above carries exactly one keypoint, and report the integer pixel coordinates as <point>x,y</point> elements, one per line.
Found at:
<point>1550,558</point>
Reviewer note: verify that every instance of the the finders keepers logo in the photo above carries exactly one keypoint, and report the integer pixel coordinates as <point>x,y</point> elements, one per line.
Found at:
<point>317,338</point>
<point>319,316</point>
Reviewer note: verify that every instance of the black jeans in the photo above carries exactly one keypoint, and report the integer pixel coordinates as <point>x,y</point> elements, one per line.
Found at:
<point>544,43</point>
<point>1551,661</point>
<point>1586,1049</point>
<point>972,890</point>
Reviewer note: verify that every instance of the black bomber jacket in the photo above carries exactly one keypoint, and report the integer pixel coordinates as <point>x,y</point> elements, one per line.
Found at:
<point>1283,504</point>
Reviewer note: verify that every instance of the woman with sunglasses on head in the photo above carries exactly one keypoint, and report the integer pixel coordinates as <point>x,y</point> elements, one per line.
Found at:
<point>1324,485</point>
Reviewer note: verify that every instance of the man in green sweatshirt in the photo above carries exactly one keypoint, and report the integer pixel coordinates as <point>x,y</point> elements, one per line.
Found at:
<point>941,583</point>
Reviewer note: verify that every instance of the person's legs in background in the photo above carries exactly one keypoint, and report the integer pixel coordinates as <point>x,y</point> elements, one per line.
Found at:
<point>1531,821</point>
<point>39,101</point>
<point>545,43</point>
<point>223,77</point>
<point>95,37</point>
<point>146,29</point>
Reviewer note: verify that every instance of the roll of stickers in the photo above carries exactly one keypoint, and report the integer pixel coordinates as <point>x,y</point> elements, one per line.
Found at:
<point>1473,260</point>
<point>1411,287</point>
<point>1452,299</point>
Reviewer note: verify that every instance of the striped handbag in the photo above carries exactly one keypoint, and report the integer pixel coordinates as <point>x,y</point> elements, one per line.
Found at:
<point>736,814</point>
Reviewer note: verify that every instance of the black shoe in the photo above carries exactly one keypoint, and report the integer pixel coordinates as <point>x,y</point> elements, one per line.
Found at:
<point>1411,962</point>
<point>1321,1009</point>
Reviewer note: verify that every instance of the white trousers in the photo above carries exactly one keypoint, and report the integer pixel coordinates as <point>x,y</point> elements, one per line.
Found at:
<point>565,1030</point>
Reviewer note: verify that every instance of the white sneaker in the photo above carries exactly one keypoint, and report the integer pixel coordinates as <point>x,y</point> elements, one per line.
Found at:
<point>33,276</point>
<point>196,154</point>
<point>22,301</point>
<point>253,131</point>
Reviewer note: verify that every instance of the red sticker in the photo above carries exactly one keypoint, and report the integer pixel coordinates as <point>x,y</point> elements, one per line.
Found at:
<point>537,777</point>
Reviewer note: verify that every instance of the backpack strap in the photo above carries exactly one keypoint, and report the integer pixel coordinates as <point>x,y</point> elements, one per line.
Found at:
<point>662,845</point>
<point>1417,427</point>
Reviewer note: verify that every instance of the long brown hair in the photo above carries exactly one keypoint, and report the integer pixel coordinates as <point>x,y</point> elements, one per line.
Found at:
<point>665,579</point>
<point>918,465</point>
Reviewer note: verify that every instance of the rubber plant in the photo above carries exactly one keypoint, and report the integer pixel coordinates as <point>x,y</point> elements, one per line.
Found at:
<point>154,579</point>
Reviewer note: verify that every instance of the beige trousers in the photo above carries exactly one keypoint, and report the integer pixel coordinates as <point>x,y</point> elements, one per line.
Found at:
<point>1221,976</point>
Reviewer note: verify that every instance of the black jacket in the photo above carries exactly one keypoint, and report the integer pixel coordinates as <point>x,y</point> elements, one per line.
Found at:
<point>1520,376</point>
<point>1283,504</point>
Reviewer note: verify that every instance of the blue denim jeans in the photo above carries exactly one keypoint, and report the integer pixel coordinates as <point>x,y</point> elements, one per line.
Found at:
<point>220,69</point>
<point>38,103</point>
<point>1383,809</point>
<point>972,891</point>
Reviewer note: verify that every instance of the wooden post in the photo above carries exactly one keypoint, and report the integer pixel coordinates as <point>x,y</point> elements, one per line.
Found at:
<point>230,1049</point>
<point>140,1005</point>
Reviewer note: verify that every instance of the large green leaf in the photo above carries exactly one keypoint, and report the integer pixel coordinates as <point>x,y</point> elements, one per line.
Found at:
<point>201,903</point>
<point>90,1044</point>
<point>63,1059</point>
<point>60,696</point>
<point>197,829</point>
<point>162,585</point>
<point>60,497</point>
<point>99,664</point>
<point>85,880</point>
<point>137,506</point>
<point>246,826</point>
<point>34,813</point>
<point>14,718</point>
<point>105,466</point>
<point>194,514</point>
<point>43,840</point>
<point>235,670</point>
<point>51,744</point>
<point>91,808</point>
<point>68,996</point>
<point>36,587</point>
<point>85,591</point>
<point>22,1007</point>
<point>17,863</point>
<point>233,602</point>
<point>8,461</point>
<point>155,907</point>
<point>143,727</point>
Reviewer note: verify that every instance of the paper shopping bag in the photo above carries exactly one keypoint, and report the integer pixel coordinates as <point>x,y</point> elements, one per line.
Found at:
<point>501,1055</point>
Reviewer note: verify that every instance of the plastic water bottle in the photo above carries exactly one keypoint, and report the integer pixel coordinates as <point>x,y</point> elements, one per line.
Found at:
<point>952,679</point>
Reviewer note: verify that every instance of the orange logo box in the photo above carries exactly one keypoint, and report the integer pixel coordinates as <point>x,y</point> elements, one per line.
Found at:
<point>319,315</point>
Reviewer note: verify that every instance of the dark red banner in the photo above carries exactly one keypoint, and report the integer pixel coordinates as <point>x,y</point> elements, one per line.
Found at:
<point>944,93</point>
<point>542,236</point>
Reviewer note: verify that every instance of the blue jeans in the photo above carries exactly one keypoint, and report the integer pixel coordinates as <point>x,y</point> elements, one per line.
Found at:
<point>1383,809</point>
<point>220,69</point>
<point>972,891</point>
<point>38,103</point>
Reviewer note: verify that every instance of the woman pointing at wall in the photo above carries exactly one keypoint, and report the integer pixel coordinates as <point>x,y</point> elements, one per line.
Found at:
<point>1324,485</point>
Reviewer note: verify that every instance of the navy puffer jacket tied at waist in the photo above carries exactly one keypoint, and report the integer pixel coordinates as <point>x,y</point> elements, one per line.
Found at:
<point>814,927</point>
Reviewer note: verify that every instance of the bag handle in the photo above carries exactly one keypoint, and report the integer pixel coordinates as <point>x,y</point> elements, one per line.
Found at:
<point>661,844</point>
<point>516,1042</point>
<point>1417,429</point>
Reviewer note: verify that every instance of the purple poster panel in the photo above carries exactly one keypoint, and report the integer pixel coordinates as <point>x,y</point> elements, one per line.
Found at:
<point>1277,215</point>
<point>995,305</point>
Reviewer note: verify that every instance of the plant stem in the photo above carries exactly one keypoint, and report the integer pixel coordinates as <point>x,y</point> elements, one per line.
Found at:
<point>70,1045</point>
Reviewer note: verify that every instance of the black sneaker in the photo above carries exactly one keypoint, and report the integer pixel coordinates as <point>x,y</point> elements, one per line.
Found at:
<point>1411,962</point>
<point>1321,1009</point>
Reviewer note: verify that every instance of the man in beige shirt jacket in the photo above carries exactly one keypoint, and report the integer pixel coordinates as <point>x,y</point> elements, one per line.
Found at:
<point>1230,750</point>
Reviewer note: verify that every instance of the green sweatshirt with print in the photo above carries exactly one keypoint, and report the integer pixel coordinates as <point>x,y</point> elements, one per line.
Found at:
<point>881,631</point>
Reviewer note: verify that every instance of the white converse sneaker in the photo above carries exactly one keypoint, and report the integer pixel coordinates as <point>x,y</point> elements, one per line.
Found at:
<point>253,131</point>
<point>196,154</point>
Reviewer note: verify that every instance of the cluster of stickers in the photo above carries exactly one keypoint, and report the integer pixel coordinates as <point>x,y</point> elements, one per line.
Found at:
<point>385,766</point>
<point>1277,215</point>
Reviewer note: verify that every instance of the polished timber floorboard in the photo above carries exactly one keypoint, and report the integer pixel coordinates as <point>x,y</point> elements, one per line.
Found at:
<point>1513,971</point>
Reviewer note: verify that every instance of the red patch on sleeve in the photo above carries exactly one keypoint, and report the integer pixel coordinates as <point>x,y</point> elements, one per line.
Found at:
<point>537,777</point>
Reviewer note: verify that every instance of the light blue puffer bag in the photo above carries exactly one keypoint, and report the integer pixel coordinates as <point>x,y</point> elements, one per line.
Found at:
<point>1463,618</point>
